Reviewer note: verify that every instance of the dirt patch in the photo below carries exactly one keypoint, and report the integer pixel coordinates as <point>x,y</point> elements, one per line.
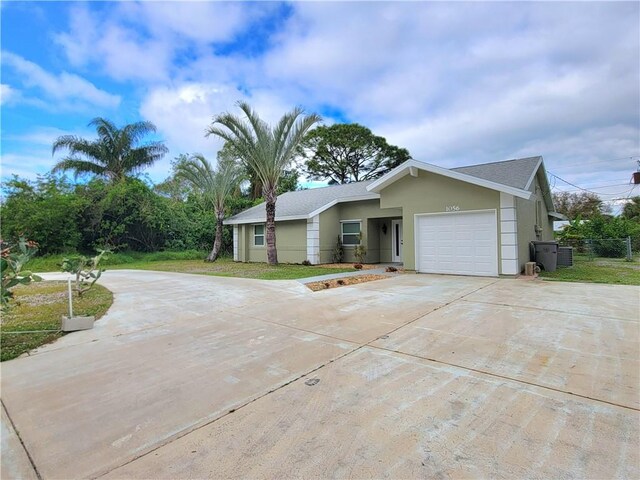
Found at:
<point>43,298</point>
<point>365,266</point>
<point>343,282</point>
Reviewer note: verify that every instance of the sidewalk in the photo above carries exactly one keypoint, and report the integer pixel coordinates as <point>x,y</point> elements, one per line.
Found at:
<point>354,273</point>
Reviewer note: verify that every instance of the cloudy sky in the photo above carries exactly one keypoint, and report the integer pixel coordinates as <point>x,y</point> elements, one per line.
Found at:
<point>455,83</point>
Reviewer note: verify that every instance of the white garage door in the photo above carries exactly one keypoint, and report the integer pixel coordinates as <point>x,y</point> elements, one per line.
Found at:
<point>461,243</point>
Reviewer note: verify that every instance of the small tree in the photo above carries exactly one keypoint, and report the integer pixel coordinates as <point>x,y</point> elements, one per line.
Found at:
<point>338,251</point>
<point>85,270</point>
<point>360,252</point>
<point>11,266</point>
<point>215,187</point>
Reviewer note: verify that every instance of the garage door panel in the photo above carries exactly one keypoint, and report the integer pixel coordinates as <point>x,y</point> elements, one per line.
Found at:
<point>462,243</point>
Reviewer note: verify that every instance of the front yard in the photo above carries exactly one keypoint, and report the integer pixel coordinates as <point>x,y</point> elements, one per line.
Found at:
<point>597,270</point>
<point>226,267</point>
<point>35,314</point>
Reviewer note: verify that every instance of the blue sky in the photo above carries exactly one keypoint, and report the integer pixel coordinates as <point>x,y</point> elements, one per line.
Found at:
<point>455,83</point>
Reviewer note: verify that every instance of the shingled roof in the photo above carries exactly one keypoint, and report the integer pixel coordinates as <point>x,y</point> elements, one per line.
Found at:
<point>304,204</point>
<point>515,173</point>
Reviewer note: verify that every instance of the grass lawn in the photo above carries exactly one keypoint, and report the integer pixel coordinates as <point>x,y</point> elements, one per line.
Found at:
<point>597,270</point>
<point>40,306</point>
<point>226,267</point>
<point>191,261</point>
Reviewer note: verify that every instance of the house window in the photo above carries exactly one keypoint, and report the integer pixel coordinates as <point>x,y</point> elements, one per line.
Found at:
<point>258,235</point>
<point>350,233</point>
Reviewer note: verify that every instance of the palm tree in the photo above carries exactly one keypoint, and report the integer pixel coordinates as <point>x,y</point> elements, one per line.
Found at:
<point>114,154</point>
<point>265,150</point>
<point>215,187</point>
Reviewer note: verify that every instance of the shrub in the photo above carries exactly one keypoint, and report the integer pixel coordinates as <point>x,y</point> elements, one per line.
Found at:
<point>338,251</point>
<point>11,267</point>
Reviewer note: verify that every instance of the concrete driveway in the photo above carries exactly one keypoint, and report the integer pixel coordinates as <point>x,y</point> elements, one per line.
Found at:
<point>415,376</point>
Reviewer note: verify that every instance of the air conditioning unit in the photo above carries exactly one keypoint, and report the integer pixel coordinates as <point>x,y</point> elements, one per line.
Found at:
<point>565,256</point>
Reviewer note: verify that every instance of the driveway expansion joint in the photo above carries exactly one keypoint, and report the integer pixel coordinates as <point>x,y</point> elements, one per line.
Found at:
<point>226,414</point>
<point>24,447</point>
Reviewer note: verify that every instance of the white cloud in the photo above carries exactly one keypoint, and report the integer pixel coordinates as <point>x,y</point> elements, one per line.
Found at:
<point>455,83</point>
<point>141,40</point>
<point>66,89</point>
<point>183,113</point>
<point>8,94</point>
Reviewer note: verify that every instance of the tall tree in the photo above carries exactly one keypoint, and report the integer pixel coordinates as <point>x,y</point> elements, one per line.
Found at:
<point>348,152</point>
<point>115,154</point>
<point>266,150</point>
<point>288,181</point>
<point>631,209</point>
<point>215,187</point>
<point>585,204</point>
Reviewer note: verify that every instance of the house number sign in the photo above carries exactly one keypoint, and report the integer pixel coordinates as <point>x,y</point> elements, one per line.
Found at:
<point>451,208</point>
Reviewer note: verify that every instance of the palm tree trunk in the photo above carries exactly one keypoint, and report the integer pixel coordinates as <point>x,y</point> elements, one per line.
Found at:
<point>217,243</point>
<point>270,205</point>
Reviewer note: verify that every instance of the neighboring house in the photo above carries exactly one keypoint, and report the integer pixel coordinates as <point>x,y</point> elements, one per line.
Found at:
<point>475,220</point>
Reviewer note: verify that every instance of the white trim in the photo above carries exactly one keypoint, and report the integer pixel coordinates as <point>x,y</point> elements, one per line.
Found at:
<point>372,196</point>
<point>262,220</point>
<point>318,211</point>
<point>416,233</point>
<point>342,234</point>
<point>236,255</point>
<point>533,175</point>
<point>398,258</point>
<point>253,235</point>
<point>403,170</point>
<point>313,240</point>
<point>556,215</point>
<point>509,263</point>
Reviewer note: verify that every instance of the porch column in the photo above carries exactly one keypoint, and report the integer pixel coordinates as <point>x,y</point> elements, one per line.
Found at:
<point>236,256</point>
<point>313,240</point>
<point>508,235</point>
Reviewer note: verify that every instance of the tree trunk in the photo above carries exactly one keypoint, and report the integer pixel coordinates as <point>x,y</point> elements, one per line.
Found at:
<point>270,205</point>
<point>217,243</point>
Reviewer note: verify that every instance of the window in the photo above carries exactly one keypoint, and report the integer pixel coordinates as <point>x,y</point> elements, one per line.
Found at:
<point>350,233</point>
<point>258,235</point>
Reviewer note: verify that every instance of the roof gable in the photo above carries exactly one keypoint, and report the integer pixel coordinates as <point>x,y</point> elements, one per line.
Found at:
<point>483,176</point>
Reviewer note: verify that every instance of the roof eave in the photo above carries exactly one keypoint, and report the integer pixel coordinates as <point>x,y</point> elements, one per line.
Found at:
<point>318,211</point>
<point>557,216</point>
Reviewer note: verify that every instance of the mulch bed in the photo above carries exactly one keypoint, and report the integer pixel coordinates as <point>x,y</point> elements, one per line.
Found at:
<point>343,282</point>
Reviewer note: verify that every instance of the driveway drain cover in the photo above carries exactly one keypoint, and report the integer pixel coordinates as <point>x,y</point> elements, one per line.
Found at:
<point>312,381</point>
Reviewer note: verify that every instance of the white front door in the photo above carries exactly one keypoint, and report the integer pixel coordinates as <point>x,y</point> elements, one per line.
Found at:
<point>396,240</point>
<point>462,243</point>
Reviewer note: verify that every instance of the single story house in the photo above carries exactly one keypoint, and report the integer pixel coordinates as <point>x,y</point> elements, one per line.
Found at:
<point>474,220</point>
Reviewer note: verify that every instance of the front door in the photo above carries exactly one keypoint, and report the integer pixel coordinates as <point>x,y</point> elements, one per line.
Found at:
<point>396,240</point>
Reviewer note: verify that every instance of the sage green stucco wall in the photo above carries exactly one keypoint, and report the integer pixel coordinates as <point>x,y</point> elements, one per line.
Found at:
<point>368,212</point>
<point>291,242</point>
<point>526,217</point>
<point>431,193</point>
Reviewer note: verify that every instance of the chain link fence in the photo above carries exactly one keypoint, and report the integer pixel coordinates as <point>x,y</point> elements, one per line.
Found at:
<point>601,247</point>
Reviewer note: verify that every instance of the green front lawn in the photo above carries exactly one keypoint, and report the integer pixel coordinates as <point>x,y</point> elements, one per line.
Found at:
<point>597,270</point>
<point>191,261</point>
<point>225,267</point>
<point>37,308</point>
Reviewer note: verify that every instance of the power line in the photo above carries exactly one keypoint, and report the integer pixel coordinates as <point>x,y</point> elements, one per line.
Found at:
<point>593,162</point>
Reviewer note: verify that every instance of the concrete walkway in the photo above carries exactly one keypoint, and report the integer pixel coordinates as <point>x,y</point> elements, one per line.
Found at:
<point>415,376</point>
<point>382,270</point>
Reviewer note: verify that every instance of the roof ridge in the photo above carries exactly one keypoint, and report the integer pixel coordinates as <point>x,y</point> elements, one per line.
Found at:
<point>326,186</point>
